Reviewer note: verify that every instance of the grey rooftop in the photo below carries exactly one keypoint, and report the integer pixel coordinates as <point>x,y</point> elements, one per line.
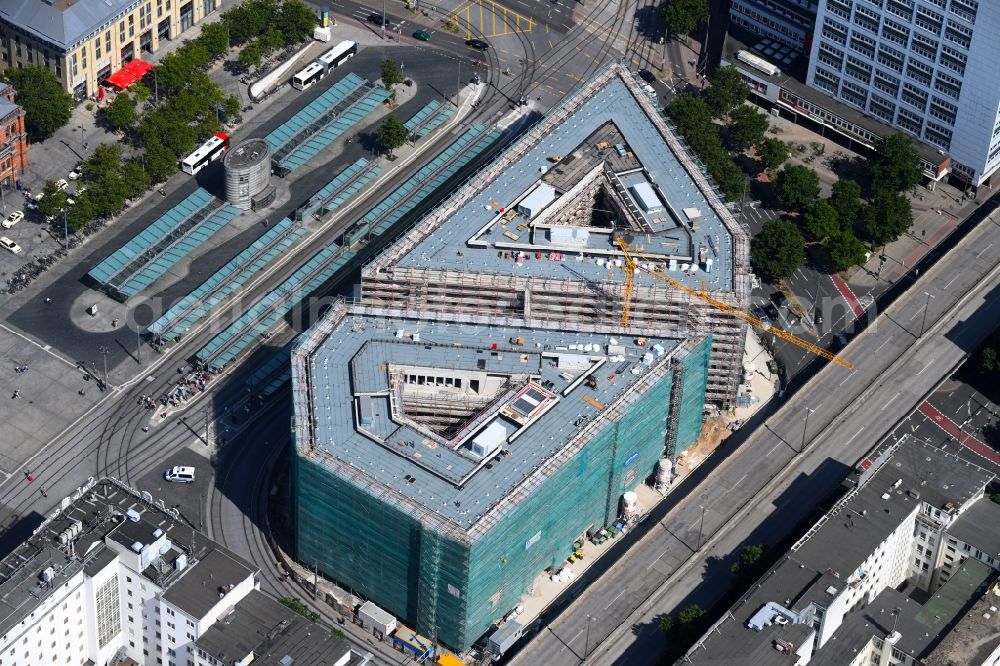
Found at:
<point>366,372</point>
<point>442,240</point>
<point>273,634</point>
<point>62,23</point>
<point>969,527</point>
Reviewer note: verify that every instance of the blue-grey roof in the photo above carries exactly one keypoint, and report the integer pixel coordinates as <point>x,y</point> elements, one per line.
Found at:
<point>351,353</point>
<point>64,22</point>
<point>444,244</point>
<point>6,108</point>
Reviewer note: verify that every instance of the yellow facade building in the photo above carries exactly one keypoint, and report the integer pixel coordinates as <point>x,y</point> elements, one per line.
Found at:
<point>84,41</point>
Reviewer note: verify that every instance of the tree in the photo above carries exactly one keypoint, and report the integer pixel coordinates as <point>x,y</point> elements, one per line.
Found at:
<point>746,126</point>
<point>689,113</point>
<point>141,91</point>
<point>53,199</point>
<point>750,559</point>
<point>666,624</point>
<point>231,107</point>
<point>392,134</point>
<point>392,73</point>
<point>104,161</point>
<point>108,195</point>
<point>215,38</point>
<point>772,153</point>
<point>845,249</point>
<point>47,106</point>
<point>135,178</point>
<point>683,16</point>
<point>988,361</point>
<point>820,221</point>
<point>727,91</point>
<point>160,162</point>
<point>796,187</point>
<point>846,200</point>
<point>296,21</point>
<point>120,113</point>
<point>81,212</point>
<point>895,164</point>
<point>778,250</point>
<point>886,218</point>
<point>690,614</point>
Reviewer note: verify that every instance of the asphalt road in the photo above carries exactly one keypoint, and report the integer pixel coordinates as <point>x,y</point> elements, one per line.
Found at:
<point>763,488</point>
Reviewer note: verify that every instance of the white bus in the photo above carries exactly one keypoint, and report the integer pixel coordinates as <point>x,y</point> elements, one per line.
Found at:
<point>333,58</point>
<point>207,152</point>
<point>308,76</point>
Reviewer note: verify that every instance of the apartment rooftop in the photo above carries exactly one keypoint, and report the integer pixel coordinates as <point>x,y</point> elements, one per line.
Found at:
<point>969,527</point>
<point>432,411</point>
<point>272,635</point>
<point>104,521</point>
<point>604,162</point>
<point>827,558</point>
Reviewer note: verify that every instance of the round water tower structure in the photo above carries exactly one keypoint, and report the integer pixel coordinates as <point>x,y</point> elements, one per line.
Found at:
<point>248,172</point>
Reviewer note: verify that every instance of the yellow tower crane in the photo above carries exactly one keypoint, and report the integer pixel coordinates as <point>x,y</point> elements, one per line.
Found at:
<point>630,265</point>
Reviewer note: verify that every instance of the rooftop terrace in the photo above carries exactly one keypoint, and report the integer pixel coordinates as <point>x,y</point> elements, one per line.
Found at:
<point>433,410</point>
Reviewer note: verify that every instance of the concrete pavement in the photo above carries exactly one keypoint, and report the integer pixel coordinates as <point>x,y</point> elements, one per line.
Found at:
<point>847,413</point>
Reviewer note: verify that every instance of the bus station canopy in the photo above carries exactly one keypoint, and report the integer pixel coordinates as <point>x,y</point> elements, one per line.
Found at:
<point>129,74</point>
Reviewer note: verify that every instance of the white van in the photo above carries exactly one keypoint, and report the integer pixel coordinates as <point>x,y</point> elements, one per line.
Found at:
<point>179,474</point>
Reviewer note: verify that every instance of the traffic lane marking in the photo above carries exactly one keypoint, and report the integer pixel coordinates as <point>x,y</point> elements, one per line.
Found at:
<point>956,432</point>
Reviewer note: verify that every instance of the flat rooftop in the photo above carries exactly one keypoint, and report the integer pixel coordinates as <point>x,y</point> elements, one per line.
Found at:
<point>434,409</point>
<point>274,635</point>
<point>106,512</point>
<point>823,562</point>
<point>607,133</point>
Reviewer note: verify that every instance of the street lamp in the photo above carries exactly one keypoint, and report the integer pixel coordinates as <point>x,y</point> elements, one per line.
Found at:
<point>923,319</point>
<point>701,527</point>
<point>104,352</point>
<point>805,425</point>
<point>586,644</point>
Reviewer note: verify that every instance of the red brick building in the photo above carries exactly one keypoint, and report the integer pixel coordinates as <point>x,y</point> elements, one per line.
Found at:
<point>13,138</point>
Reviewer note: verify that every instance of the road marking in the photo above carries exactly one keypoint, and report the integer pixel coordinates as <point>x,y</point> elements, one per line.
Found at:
<point>858,432</point>
<point>984,250</point>
<point>951,280</point>
<point>566,644</point>
<point>740,480</point>
<point>45,348</point>
<point>773,448</point>
<point>887,340</point>
<point>889,401</point>
<point>921,370</point>
<point>844,380</point>
<point>615,599</point>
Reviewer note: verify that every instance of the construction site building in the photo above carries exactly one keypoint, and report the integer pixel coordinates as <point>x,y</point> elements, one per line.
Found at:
<point>441,463</point>
<point>533,234</point>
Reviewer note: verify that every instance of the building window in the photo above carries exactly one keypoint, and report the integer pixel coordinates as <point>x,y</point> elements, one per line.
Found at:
<point>108,612</point>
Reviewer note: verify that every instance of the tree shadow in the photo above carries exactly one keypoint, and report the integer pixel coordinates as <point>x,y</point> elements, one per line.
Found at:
<point>853,167</point>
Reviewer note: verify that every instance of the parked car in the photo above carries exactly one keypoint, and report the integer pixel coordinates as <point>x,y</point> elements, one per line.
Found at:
<point>758,312</point>
<point>422,35</point>
<point>378,20</point>
<point>817,317</point>
<point>12,219</point>
<point>772,312</point>
<point>779,299</point>
<point>10,245</point>
<point>647,76</point>
<point>841,341</point>
<point>62,184</point>
<point>477,44</point>
<point>179,474</point>
<point>73,175</point>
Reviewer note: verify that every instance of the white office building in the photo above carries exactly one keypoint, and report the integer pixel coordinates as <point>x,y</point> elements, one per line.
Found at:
<point>926,67</point>
<point>111,579</point>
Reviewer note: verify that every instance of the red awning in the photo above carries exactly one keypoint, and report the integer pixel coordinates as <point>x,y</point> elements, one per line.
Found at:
<point>129,74</point>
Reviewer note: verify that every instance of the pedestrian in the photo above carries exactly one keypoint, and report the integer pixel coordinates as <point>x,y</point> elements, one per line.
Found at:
<point>145,428</point>
<point>17,394</point>
<point>43,492</point>
<point>114,323</point>
<point>47,300</point>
